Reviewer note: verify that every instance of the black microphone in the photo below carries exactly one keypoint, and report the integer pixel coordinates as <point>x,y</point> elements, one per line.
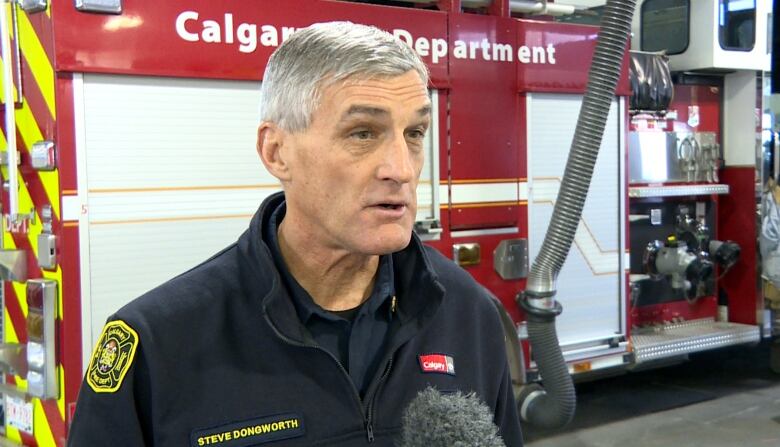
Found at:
<point>434,419</point>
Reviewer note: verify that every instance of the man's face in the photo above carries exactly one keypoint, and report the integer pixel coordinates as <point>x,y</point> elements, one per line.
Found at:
<point>354,171</point>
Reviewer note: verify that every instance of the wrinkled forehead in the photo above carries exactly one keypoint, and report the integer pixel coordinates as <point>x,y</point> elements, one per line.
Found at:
<point>406,88</point>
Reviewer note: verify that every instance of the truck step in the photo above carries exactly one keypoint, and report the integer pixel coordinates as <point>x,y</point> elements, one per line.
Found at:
<point>691,336</point>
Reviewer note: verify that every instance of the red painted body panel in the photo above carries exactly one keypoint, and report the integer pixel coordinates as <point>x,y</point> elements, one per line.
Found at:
<point>708,101</point>
<point>484,105</point>
<point>144,39</point>
<point>484,121</point>
<point>574,46</point>
<point>704,307</point>
<point>737,222</point>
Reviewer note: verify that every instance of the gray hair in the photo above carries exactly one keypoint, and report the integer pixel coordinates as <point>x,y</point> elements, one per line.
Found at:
<point>322,54</point>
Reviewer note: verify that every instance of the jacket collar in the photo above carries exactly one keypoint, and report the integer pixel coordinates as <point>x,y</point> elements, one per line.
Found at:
<point>418,291</point>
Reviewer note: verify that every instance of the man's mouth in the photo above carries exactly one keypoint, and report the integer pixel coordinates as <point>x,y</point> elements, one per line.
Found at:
<point>390,206</point>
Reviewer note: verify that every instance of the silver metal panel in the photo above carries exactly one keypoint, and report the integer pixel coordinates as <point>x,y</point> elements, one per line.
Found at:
<point>104,6</point>
<point>692,336</point>
<point>510,259</point>
<point>661,157</point>
<point>13,265</point>
<point>677,190</point>
<point>653,157</point>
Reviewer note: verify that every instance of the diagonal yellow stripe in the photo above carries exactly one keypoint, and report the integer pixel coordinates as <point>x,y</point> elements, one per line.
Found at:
<point>61,400</point>
<point>13,434</point>
<point>19,287</point>
<point>43,433</point>
<point>31,134</point>
<point>10,332</point>
<point>39,62</point>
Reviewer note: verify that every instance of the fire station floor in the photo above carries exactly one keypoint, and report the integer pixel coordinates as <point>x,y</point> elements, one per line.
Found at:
<point>728,397</point>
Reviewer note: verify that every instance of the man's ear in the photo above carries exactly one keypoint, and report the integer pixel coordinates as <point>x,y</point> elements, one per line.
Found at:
<point>270,147</point>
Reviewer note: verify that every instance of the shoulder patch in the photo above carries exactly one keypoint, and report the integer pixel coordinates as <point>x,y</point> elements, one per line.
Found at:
<point>114,353</point>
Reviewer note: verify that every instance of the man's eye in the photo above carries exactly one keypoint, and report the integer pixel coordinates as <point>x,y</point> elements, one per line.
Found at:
<point>362,135</point>
<point>416,134</point>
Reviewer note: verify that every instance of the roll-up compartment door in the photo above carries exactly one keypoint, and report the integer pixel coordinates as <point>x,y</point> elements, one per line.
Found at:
<point>168,175</point>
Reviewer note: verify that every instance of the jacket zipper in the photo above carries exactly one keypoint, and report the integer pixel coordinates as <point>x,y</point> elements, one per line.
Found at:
<point>370,409</point>
<point>355,393</point>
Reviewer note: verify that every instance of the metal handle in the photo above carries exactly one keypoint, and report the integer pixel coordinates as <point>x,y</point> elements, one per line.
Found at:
<point>10,118</point>
<point>18,53</point>
<point>776,157</point>
<point>17,59</point>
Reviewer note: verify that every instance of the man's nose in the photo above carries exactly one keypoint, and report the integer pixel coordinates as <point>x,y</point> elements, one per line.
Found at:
<point>398,163</point>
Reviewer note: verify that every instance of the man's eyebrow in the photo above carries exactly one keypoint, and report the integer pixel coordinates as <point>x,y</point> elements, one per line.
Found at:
<point>379,111</point>
<point>365,110</point>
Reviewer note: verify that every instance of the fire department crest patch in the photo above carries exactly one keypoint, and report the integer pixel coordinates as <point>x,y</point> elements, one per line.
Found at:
<point>112,358</point>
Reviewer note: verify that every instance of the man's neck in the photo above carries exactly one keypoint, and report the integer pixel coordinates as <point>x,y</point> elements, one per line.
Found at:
<point>335,279</point>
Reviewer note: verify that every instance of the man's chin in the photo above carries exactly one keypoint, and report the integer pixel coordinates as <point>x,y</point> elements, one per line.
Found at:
<point>391,241</point>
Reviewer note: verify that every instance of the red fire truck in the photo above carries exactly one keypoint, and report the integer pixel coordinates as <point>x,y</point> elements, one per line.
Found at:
<point>129,157</point>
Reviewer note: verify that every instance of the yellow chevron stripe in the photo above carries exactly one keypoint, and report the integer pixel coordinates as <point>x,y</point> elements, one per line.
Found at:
<point>10,331</point>
<point>41,429</point>
<point>31,133</point>
<point>61,400</point>
<point>39,62</point>
<point>13,434</point>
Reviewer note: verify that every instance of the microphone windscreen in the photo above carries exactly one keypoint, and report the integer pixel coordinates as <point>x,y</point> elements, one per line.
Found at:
<point>434,419</point>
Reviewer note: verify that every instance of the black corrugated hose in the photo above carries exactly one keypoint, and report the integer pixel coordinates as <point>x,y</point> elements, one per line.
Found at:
<point>553,405</point>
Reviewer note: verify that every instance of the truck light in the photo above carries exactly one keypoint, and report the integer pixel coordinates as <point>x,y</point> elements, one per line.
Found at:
<point>35,327</point>
<point>466,254</point>
<point>42,380</point>
<point>582,367</point>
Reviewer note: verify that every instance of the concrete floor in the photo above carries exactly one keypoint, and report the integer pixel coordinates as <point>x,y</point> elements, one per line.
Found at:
<point>723,398</point>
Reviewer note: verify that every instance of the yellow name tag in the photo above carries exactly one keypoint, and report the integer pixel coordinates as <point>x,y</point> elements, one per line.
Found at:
<point>251,432</point>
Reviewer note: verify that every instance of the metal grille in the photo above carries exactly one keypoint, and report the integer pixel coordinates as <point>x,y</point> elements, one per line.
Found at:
<point>693,336</point>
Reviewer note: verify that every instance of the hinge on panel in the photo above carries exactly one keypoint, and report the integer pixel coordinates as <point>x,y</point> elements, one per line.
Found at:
<point>31,6</point>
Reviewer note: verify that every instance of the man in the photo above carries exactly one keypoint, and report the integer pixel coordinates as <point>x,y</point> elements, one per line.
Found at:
<point>326,318</point>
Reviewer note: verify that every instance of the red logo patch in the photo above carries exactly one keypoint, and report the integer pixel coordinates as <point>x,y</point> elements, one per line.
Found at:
<point>437,363</point>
